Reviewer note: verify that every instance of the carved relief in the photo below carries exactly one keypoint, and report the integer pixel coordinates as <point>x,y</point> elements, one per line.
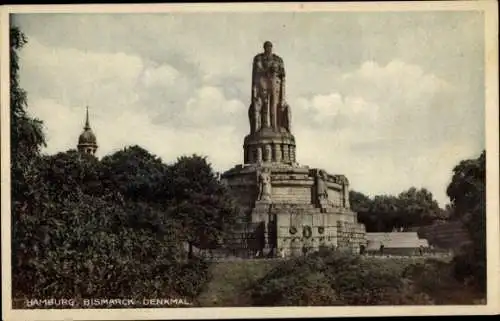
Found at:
<point>277,152</point>
<point>321,187</point>
<point>292,153</point>
<point>286,152</point>
<point>264,184</point>
<point>307,232</point>
<point>258,154</point>
<point>267,153</point>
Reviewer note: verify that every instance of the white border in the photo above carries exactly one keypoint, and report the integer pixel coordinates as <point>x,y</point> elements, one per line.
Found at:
<point>490,10</point>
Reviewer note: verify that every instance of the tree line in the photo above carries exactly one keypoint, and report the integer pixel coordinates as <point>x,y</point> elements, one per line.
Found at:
<point>78,221</point>
<point>417,207</point>
<point>384,213</point>
<point>115,227</point>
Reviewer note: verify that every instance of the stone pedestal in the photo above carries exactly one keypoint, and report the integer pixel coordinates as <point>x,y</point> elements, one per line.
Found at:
<point>289,208</point>
<point>294,221</point>
<point>268,146</point>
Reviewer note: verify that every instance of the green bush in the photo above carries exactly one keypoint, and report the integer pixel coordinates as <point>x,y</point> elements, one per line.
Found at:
<point>467,266</point>
<point>437,279</point>
<point>74,236</point>
<point>334,278</point>
<point>467,192</point>
<point>79,250</point>
<point>82,227</point>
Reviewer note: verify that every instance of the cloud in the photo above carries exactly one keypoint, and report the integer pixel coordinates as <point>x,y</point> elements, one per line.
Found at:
<point>116,85</point>
<point>390,100</point>
<point>163,76</point>
<point>207,106</point>
<point>387,128</point>
<point>78,78</point>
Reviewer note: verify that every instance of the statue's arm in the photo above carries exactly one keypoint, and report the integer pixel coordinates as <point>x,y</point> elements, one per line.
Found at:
<point>254,68</point>
<point>283,85</point>
<point>254,75</point>
<point>282,68</point>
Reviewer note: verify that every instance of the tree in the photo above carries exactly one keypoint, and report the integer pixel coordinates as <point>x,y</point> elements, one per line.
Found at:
<point>359,201</point>
<point>70,170</point>
<point>27,139</point>
<point>137,175</point>
<point>26,133</point>
<point>73,232</point>
<point>467,192</point>
<point>383,213</point>
<point>201,204</point>
<point>385,209</point>
<point>362,204</point>
<point>76,234</point>
<point>417,207</point>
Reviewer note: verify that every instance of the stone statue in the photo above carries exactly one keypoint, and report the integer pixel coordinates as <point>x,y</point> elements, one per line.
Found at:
<point>254,114</point>
<point>321,187</point>
<point>268,89</point>
<point>284,118</point>
<point>264,183</point>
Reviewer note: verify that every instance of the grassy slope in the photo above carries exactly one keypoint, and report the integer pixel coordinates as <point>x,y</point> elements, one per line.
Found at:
<point>230,281</point>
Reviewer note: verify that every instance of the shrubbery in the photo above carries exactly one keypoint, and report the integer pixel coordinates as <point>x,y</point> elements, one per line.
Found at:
<point>467,192</point>
<point>85,228</point>
<point>334,278</point>
<point>75,237</point>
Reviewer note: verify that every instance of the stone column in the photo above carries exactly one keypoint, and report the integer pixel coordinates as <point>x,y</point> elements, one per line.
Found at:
<point>292,153</point>
<point>267,153</point>
<point>346,196</point>
<point>277,153</point>
<point>286,153</point>
<point>251,154</point>
<point>258,154</point>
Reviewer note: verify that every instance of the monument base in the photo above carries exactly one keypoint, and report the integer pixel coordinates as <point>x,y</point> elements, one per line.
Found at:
<point>268,145</point>
<point>297,218</point>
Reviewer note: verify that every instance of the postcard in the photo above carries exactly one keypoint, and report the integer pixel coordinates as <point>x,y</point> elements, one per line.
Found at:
<point>280,160</point>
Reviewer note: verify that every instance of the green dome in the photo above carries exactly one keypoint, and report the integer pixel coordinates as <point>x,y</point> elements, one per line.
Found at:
<point>87,141</point>
<point>87,138</point>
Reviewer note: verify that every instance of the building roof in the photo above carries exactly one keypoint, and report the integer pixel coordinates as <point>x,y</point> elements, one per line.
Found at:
<point>394,240</point>
<point>87,137</point>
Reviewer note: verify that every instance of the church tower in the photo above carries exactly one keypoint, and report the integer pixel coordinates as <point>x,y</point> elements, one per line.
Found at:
<point>87,142</point>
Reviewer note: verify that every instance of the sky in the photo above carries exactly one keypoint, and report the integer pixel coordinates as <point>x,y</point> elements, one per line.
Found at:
<point>389,99</point>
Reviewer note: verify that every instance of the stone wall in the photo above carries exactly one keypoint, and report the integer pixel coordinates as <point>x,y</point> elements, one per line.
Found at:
<point>336,196</point>
<point>289,194</point>
<point>351,235</point>
<point>305,227</point>
<point>293,219</point>
<point>305,230</point>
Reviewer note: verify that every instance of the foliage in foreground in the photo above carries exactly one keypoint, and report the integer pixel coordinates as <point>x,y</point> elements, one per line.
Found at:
<point>467,192</point>
<point>78,238</point>
<point>113,228</point>
<point>331,278</point>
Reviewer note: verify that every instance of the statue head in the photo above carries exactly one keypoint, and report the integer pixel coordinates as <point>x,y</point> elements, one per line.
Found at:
<point>268,47</point>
